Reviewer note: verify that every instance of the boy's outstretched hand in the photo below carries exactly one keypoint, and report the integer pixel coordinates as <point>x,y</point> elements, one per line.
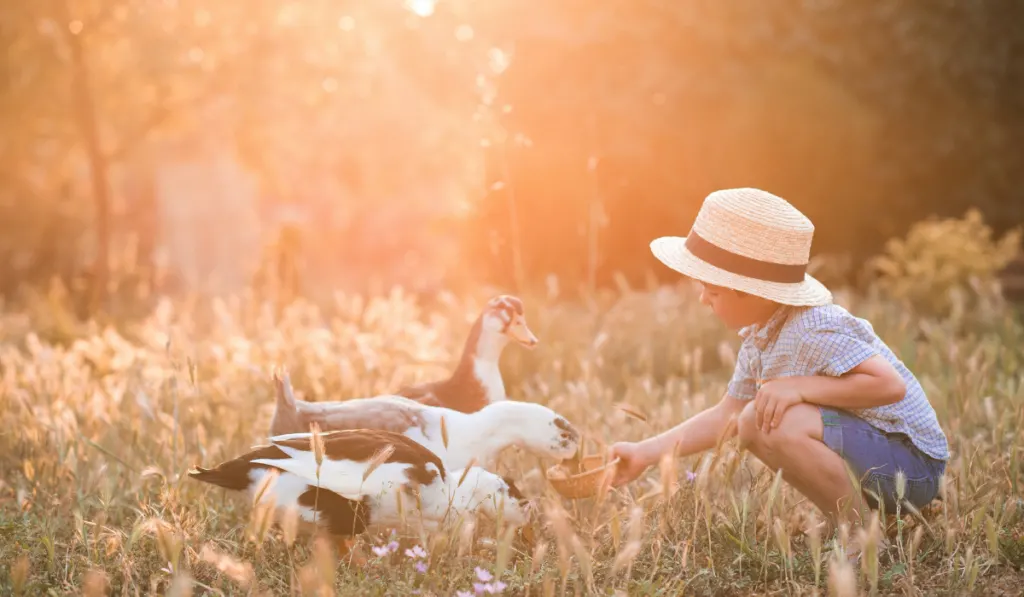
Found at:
<point>632,462</point>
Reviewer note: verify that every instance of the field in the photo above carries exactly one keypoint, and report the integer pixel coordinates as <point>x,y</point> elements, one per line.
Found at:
<point>100,424</point>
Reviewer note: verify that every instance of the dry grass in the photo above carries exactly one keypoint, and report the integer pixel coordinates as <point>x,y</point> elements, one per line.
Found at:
<point>100,425</point>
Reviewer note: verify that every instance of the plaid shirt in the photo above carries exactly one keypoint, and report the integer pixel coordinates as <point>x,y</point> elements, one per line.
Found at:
<point>828,340</point>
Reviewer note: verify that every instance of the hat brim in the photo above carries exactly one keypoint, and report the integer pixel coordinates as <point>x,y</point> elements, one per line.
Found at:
<point>672,251</point>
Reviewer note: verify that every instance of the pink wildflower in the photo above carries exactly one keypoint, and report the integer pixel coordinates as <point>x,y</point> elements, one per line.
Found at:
<point>416,552</point>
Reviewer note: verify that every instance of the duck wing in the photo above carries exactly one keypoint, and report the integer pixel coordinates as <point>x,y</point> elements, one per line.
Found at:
<point>461,393</point>
<point>348,456</point>
<point>385,413</point>
<point>340,515</point>
<point>425,393</point>
<point>343,477</point>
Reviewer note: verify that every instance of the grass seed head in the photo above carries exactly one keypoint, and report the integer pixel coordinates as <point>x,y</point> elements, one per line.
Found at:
<point>95,584</point>
<point>289,524</point>
<point>240,572</point>
<point>842,579</point>
<point>324,562</point>
<point>901,485</point>
<point>915,544</point>
<point>539,552</point>
<point>465,471</point>
<point>667,470</point>
<point>267,483</point>
<point>316,442</point>
<point>378,459</point>
<point>181,585</point>
<point>19,574</point>
<point>466,537</point>
<point>632,411</point>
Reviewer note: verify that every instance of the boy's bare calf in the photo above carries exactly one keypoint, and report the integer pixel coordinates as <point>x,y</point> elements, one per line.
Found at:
<point>796,447</point>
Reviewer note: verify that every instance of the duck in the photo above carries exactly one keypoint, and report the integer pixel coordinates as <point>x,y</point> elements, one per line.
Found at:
<point>459,439</point>
<point>367,480</point>
<point>475,382</point>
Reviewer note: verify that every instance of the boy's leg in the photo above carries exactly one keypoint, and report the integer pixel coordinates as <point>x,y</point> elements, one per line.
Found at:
<point>811,467</point>
<point>813,445</point>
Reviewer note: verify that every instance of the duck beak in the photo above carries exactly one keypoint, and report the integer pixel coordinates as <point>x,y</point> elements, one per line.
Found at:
<point>522,334</point>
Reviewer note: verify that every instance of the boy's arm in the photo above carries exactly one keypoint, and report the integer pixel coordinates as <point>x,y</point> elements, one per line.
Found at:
<point>872,383</point>
<point>696,434</point>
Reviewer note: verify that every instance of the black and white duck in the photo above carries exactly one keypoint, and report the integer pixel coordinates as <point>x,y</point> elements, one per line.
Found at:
<point>355,487</point>
<point>457,438</point>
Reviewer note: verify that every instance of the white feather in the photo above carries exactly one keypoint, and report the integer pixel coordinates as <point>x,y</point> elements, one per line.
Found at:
<point>285,492</point>
<point>344,477</point>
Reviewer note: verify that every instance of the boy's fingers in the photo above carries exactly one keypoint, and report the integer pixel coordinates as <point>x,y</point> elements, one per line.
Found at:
<point>769,414</point>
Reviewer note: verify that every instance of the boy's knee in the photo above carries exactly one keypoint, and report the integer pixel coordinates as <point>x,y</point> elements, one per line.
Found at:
<point>800,422</point>
<point>746,426</point>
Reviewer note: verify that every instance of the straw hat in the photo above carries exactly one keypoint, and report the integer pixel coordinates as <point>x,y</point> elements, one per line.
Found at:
<point>748,240</point>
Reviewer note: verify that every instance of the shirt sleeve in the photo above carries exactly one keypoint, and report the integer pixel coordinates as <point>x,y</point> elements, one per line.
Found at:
<point>832,351</point>
<point>743,384</point>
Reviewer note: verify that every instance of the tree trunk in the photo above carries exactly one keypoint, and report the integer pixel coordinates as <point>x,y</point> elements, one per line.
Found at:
<point>85,115</point>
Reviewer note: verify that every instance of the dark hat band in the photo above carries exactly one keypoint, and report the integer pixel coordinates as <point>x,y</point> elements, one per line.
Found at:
<point>744,266</point>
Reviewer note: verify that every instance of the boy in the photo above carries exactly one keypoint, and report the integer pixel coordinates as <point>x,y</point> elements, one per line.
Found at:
<point>813,385</point>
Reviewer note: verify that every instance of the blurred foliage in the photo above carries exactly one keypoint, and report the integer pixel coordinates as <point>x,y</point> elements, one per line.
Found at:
<point>868,116</point>
<point>945,263</point>
<point>516,144</point>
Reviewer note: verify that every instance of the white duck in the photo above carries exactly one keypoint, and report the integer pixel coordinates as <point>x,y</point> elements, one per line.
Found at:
<point>457,438</point>
<point>344,503</point>
<point>475,382</point>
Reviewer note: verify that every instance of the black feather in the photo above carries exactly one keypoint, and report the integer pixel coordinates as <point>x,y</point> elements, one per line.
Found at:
<point>340,515</point>
<point>513,491</point>
<point>234,474</point>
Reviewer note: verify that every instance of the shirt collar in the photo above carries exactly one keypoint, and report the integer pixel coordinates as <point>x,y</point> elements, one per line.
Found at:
<point>760,334</point>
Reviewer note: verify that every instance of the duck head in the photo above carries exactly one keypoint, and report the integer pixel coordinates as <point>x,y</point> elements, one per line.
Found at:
<point>504,317</point>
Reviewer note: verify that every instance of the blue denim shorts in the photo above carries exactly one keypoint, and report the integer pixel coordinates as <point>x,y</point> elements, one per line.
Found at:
<point>875,456</point>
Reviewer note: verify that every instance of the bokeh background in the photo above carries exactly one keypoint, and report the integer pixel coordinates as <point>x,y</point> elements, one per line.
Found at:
<point>207,146</point>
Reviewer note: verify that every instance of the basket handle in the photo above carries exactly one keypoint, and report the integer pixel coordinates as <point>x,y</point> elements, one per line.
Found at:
<point>612,462</point>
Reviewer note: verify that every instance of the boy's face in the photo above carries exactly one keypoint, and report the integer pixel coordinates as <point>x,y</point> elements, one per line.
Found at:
<point>736,309</point>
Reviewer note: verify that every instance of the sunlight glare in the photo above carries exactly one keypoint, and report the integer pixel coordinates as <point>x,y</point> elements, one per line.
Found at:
<point>423,8</point>
<point>498,59</point>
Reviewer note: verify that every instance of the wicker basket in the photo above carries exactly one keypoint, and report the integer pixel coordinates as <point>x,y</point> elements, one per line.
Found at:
<point>582,484</point>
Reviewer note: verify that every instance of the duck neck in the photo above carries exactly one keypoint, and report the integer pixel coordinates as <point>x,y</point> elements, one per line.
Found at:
<point>485,433</point>
<point>480,361</point>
